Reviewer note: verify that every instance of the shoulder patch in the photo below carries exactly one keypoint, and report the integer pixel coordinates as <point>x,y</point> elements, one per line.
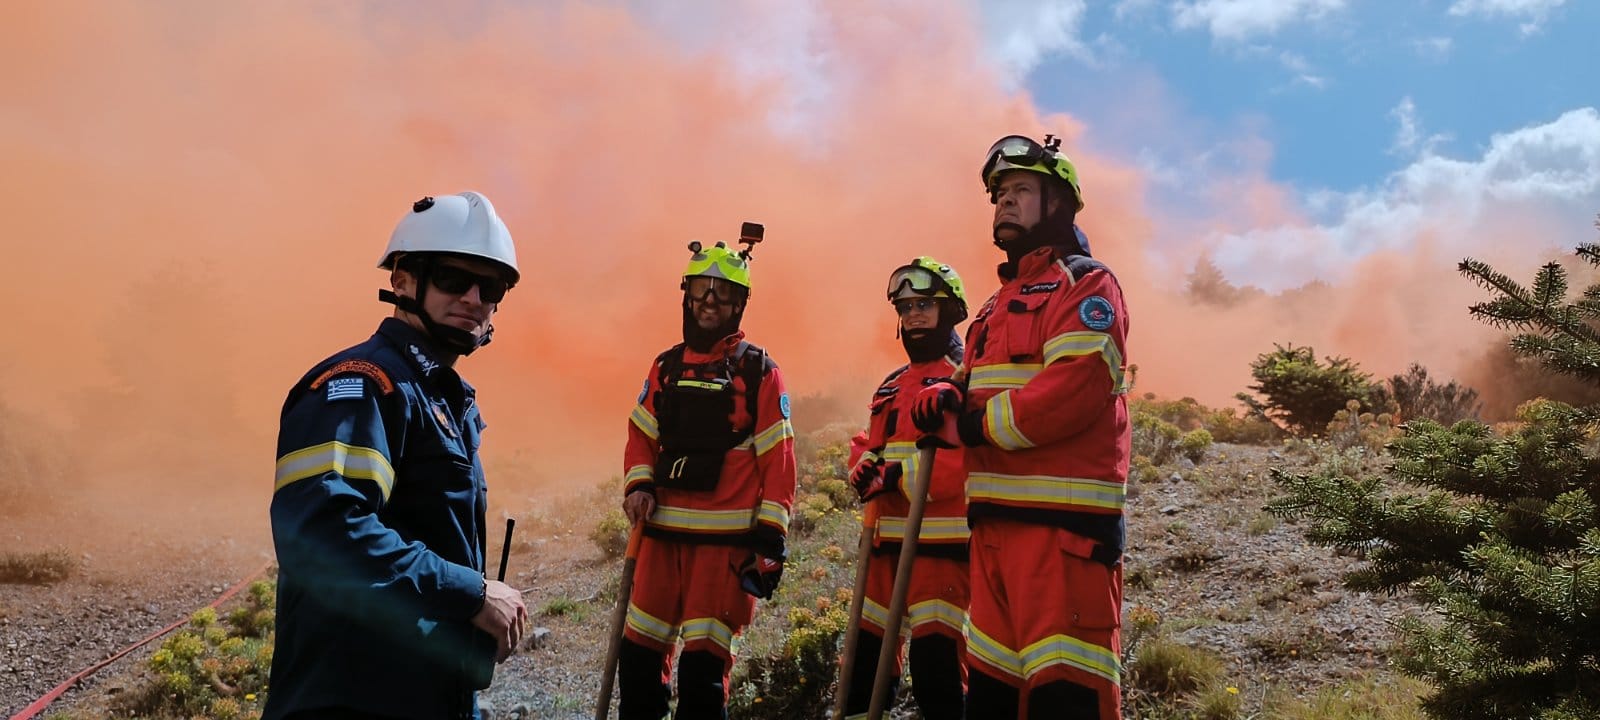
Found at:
<point>1096,313</point>
<point>349,387</point>
<point>644,392</point>
<point>366,368</point>
<point>783,405</point>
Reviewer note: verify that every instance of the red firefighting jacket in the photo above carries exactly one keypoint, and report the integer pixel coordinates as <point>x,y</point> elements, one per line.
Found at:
<point>890,435</point>
<point>755,487</point>
<point>1046,365</point>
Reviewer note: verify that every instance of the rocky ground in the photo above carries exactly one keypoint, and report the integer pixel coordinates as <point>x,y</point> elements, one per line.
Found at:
<point>1215,571</point>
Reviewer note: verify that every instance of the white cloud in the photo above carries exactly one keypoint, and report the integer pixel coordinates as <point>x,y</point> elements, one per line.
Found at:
<point>1549,170</point>
<point>1533,12</point>
<point>1436,49</point>
<point>1408,137</point>
<point>1301,70</point>
<point>1126,9</point>
<point>1237,20</point>
<point>1021,33</point>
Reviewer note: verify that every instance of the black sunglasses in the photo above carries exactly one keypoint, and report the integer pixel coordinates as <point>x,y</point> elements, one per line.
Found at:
<point>457,281</point>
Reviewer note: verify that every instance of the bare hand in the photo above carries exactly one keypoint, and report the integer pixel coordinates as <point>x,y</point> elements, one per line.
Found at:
<point>638,506</point>
<point>503,616</point>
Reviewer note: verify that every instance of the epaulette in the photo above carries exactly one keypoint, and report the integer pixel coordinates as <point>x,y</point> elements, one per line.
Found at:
<point>1081,265</point>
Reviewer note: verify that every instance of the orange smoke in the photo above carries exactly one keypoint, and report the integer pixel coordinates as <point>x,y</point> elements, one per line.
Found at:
<point>198,193</point>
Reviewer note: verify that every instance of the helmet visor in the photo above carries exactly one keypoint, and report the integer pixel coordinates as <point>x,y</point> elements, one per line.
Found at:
<point>706,289</point>
<point>915,280</point>
<point>1013,150</point>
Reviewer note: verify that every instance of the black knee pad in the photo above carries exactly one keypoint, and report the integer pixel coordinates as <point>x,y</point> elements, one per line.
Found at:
<point>988,696</point>
<point>1063,700</point>
<point>936,677</point>
<point>701,695</point>
<point>642,690</point>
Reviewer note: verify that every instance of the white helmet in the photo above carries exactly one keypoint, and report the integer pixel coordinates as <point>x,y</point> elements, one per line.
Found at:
<point>465,224</point>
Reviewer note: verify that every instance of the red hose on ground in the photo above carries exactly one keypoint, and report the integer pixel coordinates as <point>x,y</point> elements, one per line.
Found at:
<point>39,705</point>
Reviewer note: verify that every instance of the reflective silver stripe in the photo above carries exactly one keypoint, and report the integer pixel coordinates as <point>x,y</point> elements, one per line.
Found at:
<point>933,528</point>
<point>773,513</point>
<point>878,616</point>
<point>1072,652</point>
<point>708,629</point>
<point>937,611</point>
<point>1050,489</point>
<point>648,626</point>
<point>646,422</point>
<point>349,461</point>
<point>899,450</point>
<point>1006,376</point>
<point>1079,343</point>
<point>770,437</point>
<point>1001,423</point>
<point>994,654</point>
<point>639,473</point>
<point>678,518</point>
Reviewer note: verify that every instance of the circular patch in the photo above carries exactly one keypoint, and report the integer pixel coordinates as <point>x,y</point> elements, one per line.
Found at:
<point>783,405</point>
<point>644,392</point>
<point>1096,313</point>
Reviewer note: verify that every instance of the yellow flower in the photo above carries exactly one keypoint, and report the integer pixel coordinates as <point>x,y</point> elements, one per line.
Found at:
<point>250,696</point>
<point>1233,690</point>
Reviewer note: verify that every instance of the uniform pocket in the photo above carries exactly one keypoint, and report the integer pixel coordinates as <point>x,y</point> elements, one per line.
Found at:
<point>1022,317</point>
<point>1094,594</point>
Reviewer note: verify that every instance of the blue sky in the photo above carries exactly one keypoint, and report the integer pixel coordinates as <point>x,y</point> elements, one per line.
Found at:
<point>1326,82</point>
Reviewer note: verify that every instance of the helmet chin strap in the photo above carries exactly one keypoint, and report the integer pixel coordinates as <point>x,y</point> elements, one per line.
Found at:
<point>449,339</point>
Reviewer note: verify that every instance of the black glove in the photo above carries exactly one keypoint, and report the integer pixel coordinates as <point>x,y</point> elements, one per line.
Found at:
<point>931,403</point>
<point>875,478</point>
<point>759,575</point>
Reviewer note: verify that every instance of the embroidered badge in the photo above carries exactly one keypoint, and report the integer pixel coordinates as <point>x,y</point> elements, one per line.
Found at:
<point>783,405</point>
<point>444,420</point>
<point>347,388</point>
<point>356,367</point>
<point>1096,313</point>
<point>1045,287</point>
<point>644,391</point>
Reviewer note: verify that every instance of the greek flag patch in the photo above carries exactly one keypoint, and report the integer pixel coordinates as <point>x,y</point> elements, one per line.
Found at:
<point>346,388</point>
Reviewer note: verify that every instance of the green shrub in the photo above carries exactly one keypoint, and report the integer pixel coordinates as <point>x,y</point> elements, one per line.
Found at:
<point>1304,394</point>
<point>1418,396</point>
<point>46,567</point>
<point>212,670</point>
<point>1194,444</point>
<point>1167,669</point>
<point>610,535</point>
<point>795,682</point>
<point>1155,438</point>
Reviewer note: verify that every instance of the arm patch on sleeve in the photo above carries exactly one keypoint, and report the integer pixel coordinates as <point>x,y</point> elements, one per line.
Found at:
<point>357,367</point>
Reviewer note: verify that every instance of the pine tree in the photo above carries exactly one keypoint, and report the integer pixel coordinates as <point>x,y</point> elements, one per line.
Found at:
<point>1498,534</point>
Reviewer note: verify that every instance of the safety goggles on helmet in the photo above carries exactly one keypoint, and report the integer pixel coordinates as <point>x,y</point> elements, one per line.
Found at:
<point>457,281</point>
<point>1016,152</point>
<point>917,280</point>
<point>705,289</point>
<point>1013,150</point>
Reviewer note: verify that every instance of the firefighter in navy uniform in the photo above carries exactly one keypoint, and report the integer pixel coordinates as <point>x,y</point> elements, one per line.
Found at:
<point>1044,419</point>
<point>710,472</point>
<point>379,502</point>
<point>930,300</point>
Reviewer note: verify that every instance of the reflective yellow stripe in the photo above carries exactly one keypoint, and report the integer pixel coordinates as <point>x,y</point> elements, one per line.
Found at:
<point>1001,424</point>
<point>933,529</point>
<point>646,422</point>
<point>937,611</point>
<point>899,450</point>
<point>677,518</point>
<point>703,385</point>
<point>774,434</point>
<point>1072,652</point>
<point>1081,492</point>
<point>349,461</point>
<point>878,616</point>
<point>708,629</point>
<point>639,473</point>
<point>774,513</point>
<point>994,654</point>
<point>1005,376</point>
<point>1079,343</point>
<point>867,458</point>
<point>648,626</point>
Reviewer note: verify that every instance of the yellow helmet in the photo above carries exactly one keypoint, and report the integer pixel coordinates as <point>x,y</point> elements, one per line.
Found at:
<point>718,262</point>
<point>1016,152</point>
<point>927,277</point>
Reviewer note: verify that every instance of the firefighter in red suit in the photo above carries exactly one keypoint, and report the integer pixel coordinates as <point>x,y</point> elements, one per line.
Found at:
<point>710,472</point>
<point>1044,419</point>
<point>930,300</point>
